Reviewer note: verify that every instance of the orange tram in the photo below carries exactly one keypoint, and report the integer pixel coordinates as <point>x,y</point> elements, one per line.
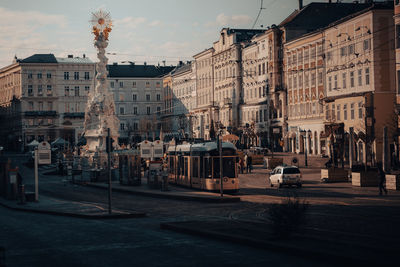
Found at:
<point>196,165</point>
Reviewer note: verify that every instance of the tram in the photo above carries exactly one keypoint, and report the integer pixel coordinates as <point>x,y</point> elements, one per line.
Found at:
<point>196,165</point>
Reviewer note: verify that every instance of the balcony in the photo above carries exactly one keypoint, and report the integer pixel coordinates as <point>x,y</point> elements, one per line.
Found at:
<point>74,115</point>
<point>41,113</point>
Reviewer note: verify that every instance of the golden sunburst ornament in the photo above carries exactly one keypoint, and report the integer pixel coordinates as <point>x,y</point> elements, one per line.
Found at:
<point>102,24</point>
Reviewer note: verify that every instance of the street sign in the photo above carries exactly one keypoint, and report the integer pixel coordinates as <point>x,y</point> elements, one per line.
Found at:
<point>44,153</point>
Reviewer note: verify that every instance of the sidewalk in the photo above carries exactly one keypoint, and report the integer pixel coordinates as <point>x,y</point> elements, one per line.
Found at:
<point>174,192</point>
<point>52,206</point>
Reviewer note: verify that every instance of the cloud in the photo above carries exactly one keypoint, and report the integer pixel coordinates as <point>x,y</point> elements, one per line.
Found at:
<point>129,22</point>
<point>155,23</point>
<point>233,20</point>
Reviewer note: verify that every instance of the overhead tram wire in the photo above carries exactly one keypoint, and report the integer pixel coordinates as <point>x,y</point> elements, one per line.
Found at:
<point>258,15</point>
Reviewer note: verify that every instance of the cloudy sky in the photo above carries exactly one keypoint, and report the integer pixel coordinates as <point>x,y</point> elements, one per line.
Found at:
<point>144,30</point>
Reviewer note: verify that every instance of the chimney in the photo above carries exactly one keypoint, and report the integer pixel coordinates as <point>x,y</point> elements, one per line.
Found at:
<point>163,62</point>
<point>84,56</point>
<point>180,63</point>
<point>300,4</point>
<point>70,56</point>
<point>145,63</point>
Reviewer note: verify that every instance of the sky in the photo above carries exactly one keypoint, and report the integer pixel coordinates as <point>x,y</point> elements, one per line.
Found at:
<point>144,30</point>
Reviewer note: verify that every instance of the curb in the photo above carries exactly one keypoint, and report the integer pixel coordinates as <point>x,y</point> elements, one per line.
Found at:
<point>77,215</point>
<point>302,252</point>
<point>173,196</point>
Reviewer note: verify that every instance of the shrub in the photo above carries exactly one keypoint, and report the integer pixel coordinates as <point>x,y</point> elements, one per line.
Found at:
<point>287,216</point>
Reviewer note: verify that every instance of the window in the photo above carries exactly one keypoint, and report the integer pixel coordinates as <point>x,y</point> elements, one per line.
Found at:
<point>351,49</point>
<point>398,82</point>
<point>87,89</point>
<point>134,97</point>
<point>49,90</point>
<point>351,78</point>
<point>122,110</point>
<point>86,75</point>
<point>39,75</point>
<point>66,90</point>
<point>135,126</point>
<point>352,111</point>
<point>344,80</point>
<point>333,112</point>
<point>76,90</point>
<point>294,82</point>
<point>367,44</point>
<point>122,126</point>
<point>327,113</point>
<point>313,79</point>
<point>147,97</point>
<point>135,110</point>
<point>312,53</point>
<point>40,89</point>
<point>30,75</point>
<point>148,110</point>
<point>147,84</point>
<point>263,69</point>
<point>367,76</point>
<point>112,84</point>
<point>121,84</point>
<point>335,81</point>
<point>134,84</point>
<point>30,90</point>
<point>66,75</point>
<point>158,84</point>
<point>359,77</point>
<point>343,51</point>
<point>330,83</point>
<point>360,110</point>
<point>320,77</point>
<point>344,111</point>
<point>338,112</point>
<point>49,106</point>
<point>76,75</point>
<point>30,104</point>
<point>158,97</point>
<point>306,80</point>
<point>300,80</point>
<point>40,106</point>
<point>329,55</point>
<point>48,75</point>
<point>158,110</point>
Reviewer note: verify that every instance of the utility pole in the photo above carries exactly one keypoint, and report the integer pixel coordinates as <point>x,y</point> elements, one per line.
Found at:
<point>36,175</point>
<point>221,179</point>
<point>108,143</point>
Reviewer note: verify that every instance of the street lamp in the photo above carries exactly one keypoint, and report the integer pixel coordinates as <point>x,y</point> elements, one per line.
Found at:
<point>303,133</point>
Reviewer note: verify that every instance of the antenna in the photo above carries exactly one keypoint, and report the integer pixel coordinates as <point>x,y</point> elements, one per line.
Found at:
<point>258,15</point>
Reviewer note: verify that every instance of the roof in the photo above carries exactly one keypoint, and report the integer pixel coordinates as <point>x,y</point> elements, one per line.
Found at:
<point>318,15</point>
<point>133,70</point>
<point>181,69</point>
<point>74,60</point>
<point>244,34</point>
<point>40,58</point>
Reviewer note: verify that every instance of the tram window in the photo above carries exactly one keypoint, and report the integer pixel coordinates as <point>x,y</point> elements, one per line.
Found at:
<point>207,167</point>
<point>180,166</point>
<point>195,168</point>
<point>201,167</point>
<point>186,167</point>
<point>229,167</point>
<point>216,168</point>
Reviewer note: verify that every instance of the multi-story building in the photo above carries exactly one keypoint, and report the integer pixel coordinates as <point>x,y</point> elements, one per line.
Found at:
<point>360,83</point>
<point>305,76</point>
<point>184,98</point>
<point>397,43</point>
<point>138,96</point>
<point>34,102</point>
<point>205,102</point>
<point>227,64</point>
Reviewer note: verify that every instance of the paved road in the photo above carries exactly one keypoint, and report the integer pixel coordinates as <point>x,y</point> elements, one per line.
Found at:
<point>335,208</point>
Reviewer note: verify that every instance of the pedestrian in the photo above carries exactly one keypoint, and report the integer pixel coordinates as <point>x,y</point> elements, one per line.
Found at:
<point>249,164</point>
<point>241,165</point>
<point>245,163</point>
<point>382,179</point>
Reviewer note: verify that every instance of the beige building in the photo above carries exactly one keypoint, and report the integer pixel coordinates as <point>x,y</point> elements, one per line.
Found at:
<point>42,98</point>
<point>305,76</point>
<point>360,83</point>
<point>205,103</point>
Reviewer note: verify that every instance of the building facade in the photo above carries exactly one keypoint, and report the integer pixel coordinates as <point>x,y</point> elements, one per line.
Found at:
<point>44,96</point>
<point>138,96</point>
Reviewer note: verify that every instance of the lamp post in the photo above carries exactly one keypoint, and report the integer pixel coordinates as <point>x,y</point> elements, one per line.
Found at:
<point>304,135</point>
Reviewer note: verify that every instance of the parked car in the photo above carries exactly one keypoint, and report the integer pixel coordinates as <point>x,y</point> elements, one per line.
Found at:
<point>285,175</point>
